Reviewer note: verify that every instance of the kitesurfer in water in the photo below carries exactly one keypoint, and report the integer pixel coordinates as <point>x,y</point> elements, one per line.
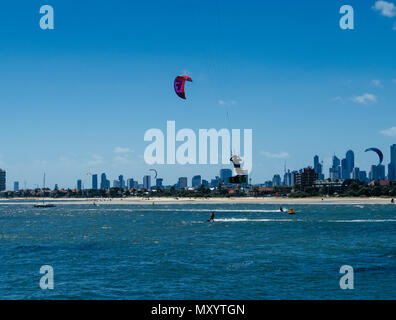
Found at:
<point>393,200</point>
<point>212,216</point>
<point>281,209</point>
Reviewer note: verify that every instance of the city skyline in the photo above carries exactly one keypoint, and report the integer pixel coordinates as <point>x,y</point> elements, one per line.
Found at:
<point>340,169</point>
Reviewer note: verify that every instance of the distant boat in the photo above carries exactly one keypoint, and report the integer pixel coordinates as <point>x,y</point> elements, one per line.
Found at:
<point>44,205</point>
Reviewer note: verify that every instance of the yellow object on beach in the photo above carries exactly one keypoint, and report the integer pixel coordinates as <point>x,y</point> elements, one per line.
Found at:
<point>291,211</point>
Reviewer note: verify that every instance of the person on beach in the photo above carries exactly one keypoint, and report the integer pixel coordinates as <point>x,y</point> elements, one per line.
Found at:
<point>212,216</point>
<point>392,201</point>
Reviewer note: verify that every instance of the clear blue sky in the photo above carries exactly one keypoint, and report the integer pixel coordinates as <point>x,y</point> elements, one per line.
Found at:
<point>80,97</point>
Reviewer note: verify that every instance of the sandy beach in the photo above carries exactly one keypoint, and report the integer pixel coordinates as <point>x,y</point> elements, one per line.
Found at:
<point>247,200</point>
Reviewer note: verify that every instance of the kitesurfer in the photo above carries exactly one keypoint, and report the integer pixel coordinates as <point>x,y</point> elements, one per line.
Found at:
<point>392,201</point>
<point>212,216</point>
<point>281,209</point>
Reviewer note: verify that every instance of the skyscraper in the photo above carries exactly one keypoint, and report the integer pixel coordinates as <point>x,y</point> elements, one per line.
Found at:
<point>356,173</point>
<point>2,180</point>
<point>225,175</point>
<point>16,186</point>
<point>335,170</point>
<point>147,182</point>
<point>350,163</point>
<point>121,181</point>
<point>392,164</point>
<point>276,180</point>
<point>377,172</point>
<point>104,182</point>
<point>182,184</point>
<point>94,182</point>
<point>318,168</point>
<point>79,185</point>
<point>196,181</point>
<point>131,184</point>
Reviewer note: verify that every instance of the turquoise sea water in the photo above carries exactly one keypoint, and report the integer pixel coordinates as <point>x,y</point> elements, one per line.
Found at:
<point>170,252</point>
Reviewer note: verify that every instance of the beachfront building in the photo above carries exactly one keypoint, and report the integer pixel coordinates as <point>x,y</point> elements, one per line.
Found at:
<point>2,180</point>
<point>306,178</point>
<point>196,181</point>
<point>147,182</point>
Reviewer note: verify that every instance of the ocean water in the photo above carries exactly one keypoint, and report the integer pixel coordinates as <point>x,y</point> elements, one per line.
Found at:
<point>171,252</point>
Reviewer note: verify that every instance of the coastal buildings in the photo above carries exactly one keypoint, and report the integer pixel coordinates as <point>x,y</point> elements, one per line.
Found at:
<point>2,180</point>
<point>276,180</point>
<point>16,186</point>
<point>306,178</point>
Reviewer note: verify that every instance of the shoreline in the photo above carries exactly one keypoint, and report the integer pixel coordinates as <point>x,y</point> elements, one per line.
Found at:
<point>159,201</point>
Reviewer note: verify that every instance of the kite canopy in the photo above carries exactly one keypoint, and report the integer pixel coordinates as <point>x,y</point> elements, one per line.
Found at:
<point>379,152</point>
<point>156,173</point>
<point>179,85</point>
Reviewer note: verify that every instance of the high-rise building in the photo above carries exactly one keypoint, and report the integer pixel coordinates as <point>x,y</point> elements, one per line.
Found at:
<point>104,182</point>
<point>16,186</point>
<point>158,183</point>
<point>121,181</point>
<point>363,176</point>
<point>344,169</point>
<point>305,178</point>
<point>205,183</point>
<point>276,180</point>
<point>350,162</point>
<point>214,183</point>
<point>225,175</point>
<point>147,182</point>
<point>130,184</point>
<point>392,164</point>
<point>288,178</point>
<point>196,181</point>
<point>356,173</point>
<point>79,185</point>
<point>116,184</point>
<point>377,172</point>
<point>94,182</point>
<point>335,170</point>
<point>182,184</point>
<point>318,167</point>
<point>2,180</point>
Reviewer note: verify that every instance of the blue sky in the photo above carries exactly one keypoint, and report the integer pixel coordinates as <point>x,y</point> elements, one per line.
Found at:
<point>80,98</point>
